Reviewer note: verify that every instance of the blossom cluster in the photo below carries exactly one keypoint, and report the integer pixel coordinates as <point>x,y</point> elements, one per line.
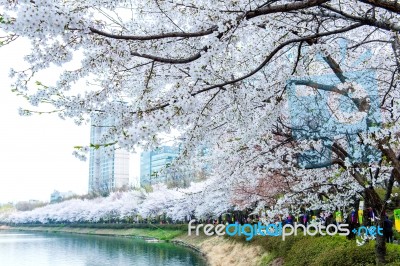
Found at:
<point>218,72</point>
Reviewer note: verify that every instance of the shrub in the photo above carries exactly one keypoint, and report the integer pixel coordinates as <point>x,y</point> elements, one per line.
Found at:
<point>322,250</point>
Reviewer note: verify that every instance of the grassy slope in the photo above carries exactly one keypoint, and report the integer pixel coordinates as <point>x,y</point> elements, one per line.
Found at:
<point>320,250</point>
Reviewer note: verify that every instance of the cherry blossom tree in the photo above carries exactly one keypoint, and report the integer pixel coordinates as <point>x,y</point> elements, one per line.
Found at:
<point>225,75</point>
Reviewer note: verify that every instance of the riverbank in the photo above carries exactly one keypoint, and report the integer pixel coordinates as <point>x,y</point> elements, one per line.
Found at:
<point>226,251</point>
<point>159,234</point>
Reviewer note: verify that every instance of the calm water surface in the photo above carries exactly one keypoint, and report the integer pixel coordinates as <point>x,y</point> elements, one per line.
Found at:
<point>55,249</point>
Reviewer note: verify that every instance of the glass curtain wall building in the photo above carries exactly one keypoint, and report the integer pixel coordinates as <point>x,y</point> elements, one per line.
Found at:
<point>106,172</point>
<point>154,165</point>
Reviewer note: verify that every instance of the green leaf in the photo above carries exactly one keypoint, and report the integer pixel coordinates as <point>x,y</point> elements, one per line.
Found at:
<point>95,146</point>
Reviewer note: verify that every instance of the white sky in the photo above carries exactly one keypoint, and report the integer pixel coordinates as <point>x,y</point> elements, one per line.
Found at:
<point>36,151</point>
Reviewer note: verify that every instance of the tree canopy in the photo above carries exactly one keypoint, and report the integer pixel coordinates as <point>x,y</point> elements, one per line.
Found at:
<point>229,75</point>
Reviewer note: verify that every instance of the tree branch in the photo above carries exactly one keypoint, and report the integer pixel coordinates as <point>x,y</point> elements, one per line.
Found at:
<point>284,8</point>
<point>156,36</point>
<point>365,20</point>
<point>170,60</point>
<point>393,6</point>
<point>275,51</point>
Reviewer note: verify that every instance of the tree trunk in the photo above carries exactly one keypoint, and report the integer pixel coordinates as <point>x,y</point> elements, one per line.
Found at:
<point>372,200</point>
<point>380,244</point>
<point>353,225</point>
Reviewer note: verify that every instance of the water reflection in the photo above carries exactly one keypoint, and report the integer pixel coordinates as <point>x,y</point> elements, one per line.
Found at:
<point>55,249</point>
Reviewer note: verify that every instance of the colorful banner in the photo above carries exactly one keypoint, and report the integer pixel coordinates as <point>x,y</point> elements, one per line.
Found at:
<point>360,216</point>
<point>338,217</point>
<point>397,219</point>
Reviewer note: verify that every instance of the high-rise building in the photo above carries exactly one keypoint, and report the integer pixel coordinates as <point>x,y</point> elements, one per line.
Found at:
<point>58,196</point>
<point>154,165</point>
<point>106,171</point>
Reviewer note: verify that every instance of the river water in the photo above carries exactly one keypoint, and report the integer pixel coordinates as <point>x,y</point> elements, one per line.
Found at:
<point>56,249</point>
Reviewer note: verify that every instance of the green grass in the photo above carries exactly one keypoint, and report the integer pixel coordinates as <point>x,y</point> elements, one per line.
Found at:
<point>267,258</point>
<point>111,226</point>
<point>162,232</point>
<point>321,250</point>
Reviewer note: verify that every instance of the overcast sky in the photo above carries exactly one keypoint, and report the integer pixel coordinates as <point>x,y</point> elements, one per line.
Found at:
<point>36,151</point>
